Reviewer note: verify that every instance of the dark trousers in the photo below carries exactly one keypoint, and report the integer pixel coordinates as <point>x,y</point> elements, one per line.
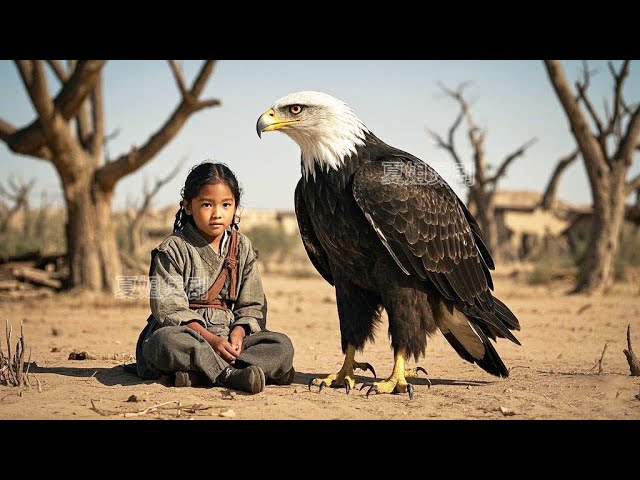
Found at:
<point>166,350</point>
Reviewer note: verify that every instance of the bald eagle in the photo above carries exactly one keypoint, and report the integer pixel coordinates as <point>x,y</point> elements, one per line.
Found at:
<point>388,232</point>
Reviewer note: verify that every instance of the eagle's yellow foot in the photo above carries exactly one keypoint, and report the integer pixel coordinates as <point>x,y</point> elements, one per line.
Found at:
<point>413,373</point>
<point>344,378</point>
<point>391,385</point>
<point>397,382</point>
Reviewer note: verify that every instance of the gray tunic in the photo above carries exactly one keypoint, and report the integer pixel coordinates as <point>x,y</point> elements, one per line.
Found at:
<point>183,267</point>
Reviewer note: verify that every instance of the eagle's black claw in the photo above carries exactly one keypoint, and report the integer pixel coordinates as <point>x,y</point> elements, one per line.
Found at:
<point>367,384</point>
<point>310,382</point>
<point>374,388</point>
<point>322,385</point>
<point>347,386</point>
<point>420,369</point>
<point>410,391</point>
<point>368,366</point>
<point>428,383</point>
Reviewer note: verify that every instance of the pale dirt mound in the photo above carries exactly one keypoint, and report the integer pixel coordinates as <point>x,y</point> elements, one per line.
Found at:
<point>552,375</point>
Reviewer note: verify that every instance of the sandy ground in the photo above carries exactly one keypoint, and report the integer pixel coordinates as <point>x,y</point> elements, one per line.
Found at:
<point>552,374</point>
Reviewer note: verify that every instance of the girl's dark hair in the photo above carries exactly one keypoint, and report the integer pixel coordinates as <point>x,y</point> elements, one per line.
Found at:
<point>207,173</point>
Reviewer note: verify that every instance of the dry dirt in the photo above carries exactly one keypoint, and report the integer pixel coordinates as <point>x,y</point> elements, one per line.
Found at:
<point>552,374</point>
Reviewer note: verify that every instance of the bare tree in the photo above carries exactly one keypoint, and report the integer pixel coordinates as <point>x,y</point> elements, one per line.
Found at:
<point>607,167</point>
<point>549,195</point>
<point>136,215</point>
<point>41,219</point>
<point>88,178</point>
<point>482,185</point>
<point>18,194</point>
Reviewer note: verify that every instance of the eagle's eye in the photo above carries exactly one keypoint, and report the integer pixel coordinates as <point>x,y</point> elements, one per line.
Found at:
<point>295,109</point>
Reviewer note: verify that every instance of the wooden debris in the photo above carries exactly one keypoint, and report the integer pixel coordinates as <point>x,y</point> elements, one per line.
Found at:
<point>36,277</point>
<point>632,359</point>
<point>583,309</point>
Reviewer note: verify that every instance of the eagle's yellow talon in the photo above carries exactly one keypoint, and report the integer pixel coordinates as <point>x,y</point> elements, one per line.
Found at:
<point>397,382</point>
<point>344,378</point>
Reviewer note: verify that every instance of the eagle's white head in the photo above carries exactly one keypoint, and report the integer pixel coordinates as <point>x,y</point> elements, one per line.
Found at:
<point>326,129</point>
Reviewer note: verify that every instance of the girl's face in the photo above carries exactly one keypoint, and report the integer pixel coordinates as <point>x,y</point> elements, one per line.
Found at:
<point>212,210</point>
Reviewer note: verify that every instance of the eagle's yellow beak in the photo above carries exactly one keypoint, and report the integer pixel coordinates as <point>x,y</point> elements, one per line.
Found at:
<point>269,122</point>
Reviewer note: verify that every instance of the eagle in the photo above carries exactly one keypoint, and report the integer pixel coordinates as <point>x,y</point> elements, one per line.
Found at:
<point>387,231</point>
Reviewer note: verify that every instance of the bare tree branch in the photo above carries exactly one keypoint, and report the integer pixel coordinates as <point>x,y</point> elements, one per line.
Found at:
<point>25,67</point>
<point>135,216</point>
<point>554,180</point>
<point>502,170</point>
<point>450,147</point>
<point>148,195</point>
<point>582,95</point>
<point>212,102</point>
<point>110,173</point>
<point>617,101</point>
<point>177,73</point>
<point>202,78</point>
<point>595,162</point>
<point>54,127</point>
<point>83,130</point>
<point>30,140</point>
<point>632,185</point>
<point>6,132</point>
<point>631,139</point>
<point>59,70</point>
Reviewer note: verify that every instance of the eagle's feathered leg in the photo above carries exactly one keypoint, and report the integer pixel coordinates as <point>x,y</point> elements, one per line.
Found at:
<point>345,377</point>
<point>397,381</point>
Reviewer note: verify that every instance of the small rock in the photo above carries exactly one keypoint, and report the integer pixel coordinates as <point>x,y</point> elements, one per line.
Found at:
<point>295,390</point>
<point>55,332</point>
<point>228,395</point>
<point>507,390</point>
<point>506,412</point>
<point>468,387</point>
<point>638,396</point>
<point>133,398</point>
<point>227,413</point>
<point>118,342</point>
<point>55,349</point>
<point>311,347</point>
<point>78,356</point>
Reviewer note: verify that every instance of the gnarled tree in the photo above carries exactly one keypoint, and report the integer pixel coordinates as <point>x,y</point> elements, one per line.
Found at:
<point>88,178</point>
<point>17,194</point>
<point>135,215</point>
<point>549,196</point>
<point>607,149</point>
<point>482,184</point>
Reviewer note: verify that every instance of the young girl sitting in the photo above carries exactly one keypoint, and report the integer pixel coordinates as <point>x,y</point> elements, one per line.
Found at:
<point>209,311</point>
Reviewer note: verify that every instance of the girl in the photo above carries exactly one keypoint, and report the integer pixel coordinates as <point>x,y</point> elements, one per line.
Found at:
<point>208,321</point>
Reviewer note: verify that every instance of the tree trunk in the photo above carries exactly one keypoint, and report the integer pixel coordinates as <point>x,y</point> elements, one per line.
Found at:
<point>135,237</point>
<point>607,218</point>
<point>91,243</point>
<point>485,215</point>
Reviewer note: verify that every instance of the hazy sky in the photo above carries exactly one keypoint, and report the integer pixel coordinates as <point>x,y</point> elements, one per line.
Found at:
<point>397,100</point>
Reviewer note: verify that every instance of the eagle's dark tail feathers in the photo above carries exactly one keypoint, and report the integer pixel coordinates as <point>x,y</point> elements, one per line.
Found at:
<point>469,334</point>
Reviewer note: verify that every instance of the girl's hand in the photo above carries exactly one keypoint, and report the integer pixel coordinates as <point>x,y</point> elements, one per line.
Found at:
<point>224,349</point>
<point>236,338</point>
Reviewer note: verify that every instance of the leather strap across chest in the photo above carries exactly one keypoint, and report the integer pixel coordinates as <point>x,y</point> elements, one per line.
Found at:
<point>230,267</point>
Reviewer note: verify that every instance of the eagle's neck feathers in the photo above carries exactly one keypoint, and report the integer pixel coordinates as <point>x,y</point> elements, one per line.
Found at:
<point>329,147</point>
